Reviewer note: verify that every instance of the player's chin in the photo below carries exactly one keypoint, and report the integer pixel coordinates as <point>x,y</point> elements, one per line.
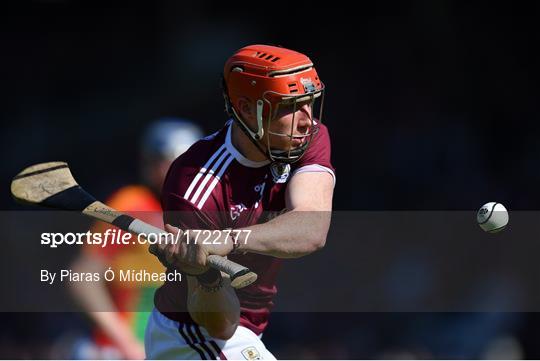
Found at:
<point>288,147</point>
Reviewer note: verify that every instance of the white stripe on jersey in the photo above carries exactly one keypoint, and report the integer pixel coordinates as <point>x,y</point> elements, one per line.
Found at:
<point>216,180</point>
<point>209,174</point>
<point>202,171</point>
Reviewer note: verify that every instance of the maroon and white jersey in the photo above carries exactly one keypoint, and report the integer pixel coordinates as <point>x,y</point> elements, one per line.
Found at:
<point>213,186</point>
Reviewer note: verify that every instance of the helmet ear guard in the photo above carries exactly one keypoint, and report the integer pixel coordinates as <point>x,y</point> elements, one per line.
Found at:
<point>231,112</point>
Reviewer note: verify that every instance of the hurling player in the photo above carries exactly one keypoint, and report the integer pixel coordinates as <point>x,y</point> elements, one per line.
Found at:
<point>267,171</point>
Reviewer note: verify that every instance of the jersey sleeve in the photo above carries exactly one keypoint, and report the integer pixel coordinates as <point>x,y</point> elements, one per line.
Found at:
<point>318,156</point>
<point>184,215</point>
<point>179,211</point>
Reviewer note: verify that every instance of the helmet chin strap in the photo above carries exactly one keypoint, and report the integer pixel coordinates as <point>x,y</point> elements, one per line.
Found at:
<point>252,136</point>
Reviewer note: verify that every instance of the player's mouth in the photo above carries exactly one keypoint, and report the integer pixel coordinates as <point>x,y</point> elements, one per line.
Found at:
<point>298,141</point>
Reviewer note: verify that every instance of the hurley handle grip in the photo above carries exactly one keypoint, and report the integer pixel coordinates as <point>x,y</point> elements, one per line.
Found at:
<point>240,276</point>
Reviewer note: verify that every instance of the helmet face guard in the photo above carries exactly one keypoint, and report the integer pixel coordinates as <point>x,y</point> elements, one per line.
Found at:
<point>315,101</point>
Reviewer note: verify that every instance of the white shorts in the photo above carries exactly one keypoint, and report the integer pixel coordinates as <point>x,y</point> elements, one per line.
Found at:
<point>168,339</point>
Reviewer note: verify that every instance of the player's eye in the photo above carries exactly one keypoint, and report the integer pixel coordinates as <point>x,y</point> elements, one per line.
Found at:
<point>287,108</point>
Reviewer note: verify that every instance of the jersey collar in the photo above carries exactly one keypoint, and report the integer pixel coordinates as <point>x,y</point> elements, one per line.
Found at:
<point>237,155</point>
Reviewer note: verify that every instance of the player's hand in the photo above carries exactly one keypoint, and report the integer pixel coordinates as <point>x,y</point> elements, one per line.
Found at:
<point>174,253</point>
<point>189,254</point>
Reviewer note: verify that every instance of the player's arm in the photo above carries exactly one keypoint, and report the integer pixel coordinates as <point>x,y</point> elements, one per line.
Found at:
<point>95,298</point>
<point>303,229</point>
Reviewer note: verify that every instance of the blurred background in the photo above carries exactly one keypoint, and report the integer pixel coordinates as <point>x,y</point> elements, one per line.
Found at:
<point>430,105</point>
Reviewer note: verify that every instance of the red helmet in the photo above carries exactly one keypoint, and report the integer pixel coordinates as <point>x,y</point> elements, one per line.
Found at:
<point>271,77</point>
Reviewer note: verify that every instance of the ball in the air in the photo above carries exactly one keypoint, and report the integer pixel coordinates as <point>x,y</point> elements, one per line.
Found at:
<point>492,217</point>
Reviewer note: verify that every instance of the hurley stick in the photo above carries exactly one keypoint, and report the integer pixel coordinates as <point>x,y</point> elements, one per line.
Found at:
<point>52,185</point>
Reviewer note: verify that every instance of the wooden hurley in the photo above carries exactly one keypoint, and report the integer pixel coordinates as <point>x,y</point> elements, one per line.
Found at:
<point>52,185</point>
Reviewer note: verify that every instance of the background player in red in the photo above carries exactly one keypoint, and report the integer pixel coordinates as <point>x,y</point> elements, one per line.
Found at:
<point>120,310</point>
<point>267,171</point>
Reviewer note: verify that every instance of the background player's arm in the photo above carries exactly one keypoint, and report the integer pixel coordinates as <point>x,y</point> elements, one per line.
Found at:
<point>95,299</point>
<point>303,229</point>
